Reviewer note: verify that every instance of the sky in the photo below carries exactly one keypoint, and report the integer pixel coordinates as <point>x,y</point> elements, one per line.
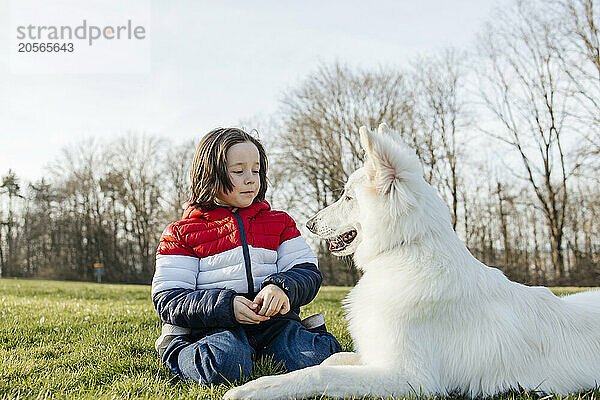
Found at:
<point>212,64</point>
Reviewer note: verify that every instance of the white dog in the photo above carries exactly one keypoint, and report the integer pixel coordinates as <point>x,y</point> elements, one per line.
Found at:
<point>427,317</point>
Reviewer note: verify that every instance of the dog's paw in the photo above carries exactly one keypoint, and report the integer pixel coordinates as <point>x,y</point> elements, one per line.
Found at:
<point>267,387</point>
<point>237,393</point>
<point>343,358</point>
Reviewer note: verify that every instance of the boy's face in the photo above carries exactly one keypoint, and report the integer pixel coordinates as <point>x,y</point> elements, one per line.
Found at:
<point>243,164</point>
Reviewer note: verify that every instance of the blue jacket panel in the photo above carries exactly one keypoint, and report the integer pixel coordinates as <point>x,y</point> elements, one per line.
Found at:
<point>301,283</point>
<point>213,308</point>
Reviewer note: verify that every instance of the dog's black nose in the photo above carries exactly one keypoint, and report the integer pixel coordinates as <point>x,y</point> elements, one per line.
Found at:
<point>310,224</point>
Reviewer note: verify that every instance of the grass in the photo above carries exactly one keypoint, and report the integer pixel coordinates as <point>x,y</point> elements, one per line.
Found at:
<point>75,340</point>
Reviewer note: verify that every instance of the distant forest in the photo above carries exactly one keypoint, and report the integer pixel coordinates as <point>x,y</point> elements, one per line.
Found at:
<point>508,132</point>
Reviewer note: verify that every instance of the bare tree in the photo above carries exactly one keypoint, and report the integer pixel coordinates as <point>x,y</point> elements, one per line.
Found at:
<point>80,212</point>
<point>320,121</point>
<point>525,87</point>
<point>578,47</point>
<point>177,170</point>
<point>442,119</point>
<point>136,176</point>
<point>582,235</point>
<point>9,231</point>
<point>503,214</point>
<point>319,144</point>
<point>39,240</point>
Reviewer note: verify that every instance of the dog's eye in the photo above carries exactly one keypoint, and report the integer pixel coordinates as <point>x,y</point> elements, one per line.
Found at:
<point>347,198</point>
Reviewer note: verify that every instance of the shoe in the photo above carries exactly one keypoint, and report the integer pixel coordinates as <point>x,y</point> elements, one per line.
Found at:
<point>315,323</point>
<point>168,333</point>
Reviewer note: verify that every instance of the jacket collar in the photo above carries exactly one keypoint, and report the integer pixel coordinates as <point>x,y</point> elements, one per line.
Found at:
<point>223,212</point>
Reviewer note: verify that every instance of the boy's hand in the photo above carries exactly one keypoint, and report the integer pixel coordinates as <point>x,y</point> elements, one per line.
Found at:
<point>273,300</point>
<point>244,311</point>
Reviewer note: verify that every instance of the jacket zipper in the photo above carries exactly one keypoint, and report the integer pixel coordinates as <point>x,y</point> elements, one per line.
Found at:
<point>249,277</point>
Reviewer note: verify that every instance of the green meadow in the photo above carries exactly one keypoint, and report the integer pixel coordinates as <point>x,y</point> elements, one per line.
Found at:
<point>75,340</point>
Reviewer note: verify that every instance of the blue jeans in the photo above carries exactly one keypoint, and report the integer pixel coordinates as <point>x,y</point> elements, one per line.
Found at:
<point>226,355</point>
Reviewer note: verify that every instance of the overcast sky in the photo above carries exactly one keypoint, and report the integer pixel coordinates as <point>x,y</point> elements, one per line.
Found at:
<point>215,64</point>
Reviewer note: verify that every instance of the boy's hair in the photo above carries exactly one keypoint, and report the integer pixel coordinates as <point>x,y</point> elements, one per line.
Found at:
<point>209,167</point>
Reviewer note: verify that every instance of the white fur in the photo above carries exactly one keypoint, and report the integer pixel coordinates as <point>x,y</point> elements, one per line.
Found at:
<point>429,318</point>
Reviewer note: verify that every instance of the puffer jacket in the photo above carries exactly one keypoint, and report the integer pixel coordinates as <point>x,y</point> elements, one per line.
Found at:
<point>204,260</point>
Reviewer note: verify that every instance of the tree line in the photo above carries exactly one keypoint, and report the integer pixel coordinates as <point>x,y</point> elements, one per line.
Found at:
<point>507,131</point>
<point>101,202</point>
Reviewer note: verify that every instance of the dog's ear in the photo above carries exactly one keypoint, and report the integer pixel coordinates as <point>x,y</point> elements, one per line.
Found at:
<point>380,168</point>
<point>387,162</point>
<point>365,139</point>
<point>384,129</point>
